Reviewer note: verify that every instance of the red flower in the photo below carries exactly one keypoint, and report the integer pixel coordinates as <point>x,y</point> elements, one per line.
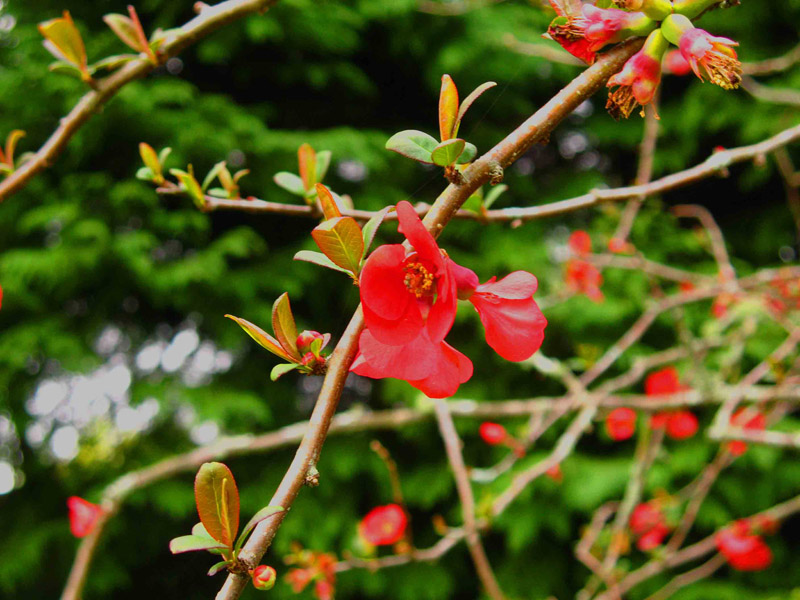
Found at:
<point>621,423</point>
<point>264,577</point>
<point>493,433</point>
<point>743,550</point>
<point>665,381</point>
<point>580,242</point>
<point>675,64</point>
<point>83,516</point>
<point>555,473</point>
<point>584,278</point>
<point>384,525</point>
<point>323,589</point>
<point>747,419</point>
<point>298,579</point>
<point>637,81</point>
<point>649,524</point>
<point>682,425</point>
<point>590,28</point>
<point>711,58</point>
<point>513,322</point>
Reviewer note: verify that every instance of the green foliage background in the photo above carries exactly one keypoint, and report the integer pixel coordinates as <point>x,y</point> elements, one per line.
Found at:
<point>87,247</point>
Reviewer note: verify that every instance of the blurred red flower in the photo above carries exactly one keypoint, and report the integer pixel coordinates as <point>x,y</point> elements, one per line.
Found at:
<point>384,525</point>
<point>83,516</point>
<point>621,423</point>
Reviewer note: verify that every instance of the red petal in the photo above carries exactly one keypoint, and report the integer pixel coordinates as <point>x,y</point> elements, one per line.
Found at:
<point>443,312</point>
<point>420,238</point>
<point>466,280</point>
<point>519,285</point>
<point>382,287</point>
<point>514,328</point>
<point>450,370</point>
<point>415,360</point>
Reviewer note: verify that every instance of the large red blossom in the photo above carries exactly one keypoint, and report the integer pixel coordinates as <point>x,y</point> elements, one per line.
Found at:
<point>513,322</point>
<point>743,550</point>
<point>83,516</point>
<point>384,525</point>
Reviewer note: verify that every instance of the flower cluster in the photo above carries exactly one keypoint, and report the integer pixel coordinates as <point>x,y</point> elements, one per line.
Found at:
<point>743,548</point>
<point>581,276</point>
<point>678,424</point>
<point>316,567</point>
<point>649,524</point>
<point>384,525</point>
<point>583,29</point>
<point>409,301</point>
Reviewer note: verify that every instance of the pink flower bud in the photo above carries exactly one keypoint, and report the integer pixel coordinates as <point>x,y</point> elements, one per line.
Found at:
<point>264,577</point>
<point>493,433</point>
<point>305,339</point>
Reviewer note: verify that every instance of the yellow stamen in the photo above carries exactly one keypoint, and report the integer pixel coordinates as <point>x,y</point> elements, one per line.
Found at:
<point>418,280</point>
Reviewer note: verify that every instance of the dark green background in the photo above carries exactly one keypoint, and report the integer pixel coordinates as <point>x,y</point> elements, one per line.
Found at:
<point>86,246</point>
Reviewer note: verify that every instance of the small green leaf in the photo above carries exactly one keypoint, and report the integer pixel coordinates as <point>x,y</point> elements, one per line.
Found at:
<point>340,240</point>
<point>416,145</point>
<point>199,530</point>
<point>330,208</point>
<point>145,174</point>
<point>66,39</point>
<point>476,93</point>
<point>125,29</point>
<point>282,369</point>
<point>213,174</point>
<point>11,145</point>
<point>320,259</point>
<point>264,339</point>
<point>217,568</point>
<point>150,158</point>
<point>323,162</point>
<point>447,153</point>
<point>262,514</point>
<point>469,153</point>
<point>192,543</point>
<point>370,228</point>
<point>290,182</point>
<point>162,156</point>
<point>64,68</point>
<point>448,108</point>
<point>217,502</point>
<point>190,185</point>
<point>284,326</point>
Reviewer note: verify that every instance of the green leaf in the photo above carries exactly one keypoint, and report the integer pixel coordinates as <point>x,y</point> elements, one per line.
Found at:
<point>494,194</point>
<point>320,259</point>
<point>284,327</point>
<point>149,157</point>
<point>217,502</point>
<point>262,514</point>
<point>193,543</point>
<point>264,339</point>
<point>290,182</point>
<point>340,240</point>
<point>323,162</point>
<point>213,174</point>
<point>416,145</point>
<point>162,156</point>
<point>66,38</point>
<point>190,185</point>
<point>282,369</point>
<point>370,228</point>
<point>64,68</point>
<point>217,568</point>
<point>446,153</point>
<point>476,93</point>
<point>125,29</point>
<point>145,174</point>
<point>330,207</point>
<point>199,530</point>
<point>11,145</point>
<point>469,153</point>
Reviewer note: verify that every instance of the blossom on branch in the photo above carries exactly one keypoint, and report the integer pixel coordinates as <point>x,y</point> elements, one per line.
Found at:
<point>649,524</point>
<point>584,278</point>
<point>749,420</point>
<point>639,78</point>
<point>384,525</point>
<point>621,423</point>
<point>743,550</point>
<point>680,424</point>
<point>83,516</point>
<point>492,433</point>
<point>264,577</point>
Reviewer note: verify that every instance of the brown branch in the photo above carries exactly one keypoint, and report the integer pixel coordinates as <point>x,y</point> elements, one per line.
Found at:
<point>769,94</point>
<point>535,129</point>
<point>209,20</point>
<point>641,264</point>
<point>718,248</point>
<point>452,444</point>
<point>791,182</point>
<point>681,581</point>
<point>773,65</point>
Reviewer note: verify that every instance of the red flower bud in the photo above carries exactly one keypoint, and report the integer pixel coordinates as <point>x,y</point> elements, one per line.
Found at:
<point>264,577</point>
<point>649,523</point>
<point>305,339</point>
<point>493,433</point>
<point>384,525</point>
<point>555,473</point>
<point>638,79</point>
<point>83,516</point>
<point>298,579</point>
<point>621,423</point>
<point>682,425</point>
<point>743,550</point>
<point>580,242</point>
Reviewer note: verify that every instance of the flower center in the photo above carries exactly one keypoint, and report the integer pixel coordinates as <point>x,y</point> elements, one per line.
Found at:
<point>418,280</point>
<point>723,69</point>
<point>621,102</point>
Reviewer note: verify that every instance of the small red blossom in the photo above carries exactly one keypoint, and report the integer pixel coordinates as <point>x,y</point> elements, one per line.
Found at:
<point>682,425</point>
<point>298,579</point>
<point>306,338</point>
<point>580,242</point>
<point>589,28</point>
<point>555,473</point>
<point>493,433</point>
<point>675,64</point>
<point>264,577</point>
<point>584,278</point>
<point>712,58</point>
<point>384,525</point>
<point>686,286</point>
<point>747,419</point>
<point>637,83</point>
<point>83,516</point>
<point>719,308</point>
<point>665,381</point>
<point>621,423</point>
<point>323,589</point>
<point>743,550</point>
<point>649,524</point>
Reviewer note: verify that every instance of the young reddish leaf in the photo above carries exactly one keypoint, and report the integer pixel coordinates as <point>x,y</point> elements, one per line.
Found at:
<point>217,502</point>
<point>150,158</point>
<point>371,228</point>
<point>213,174</point>
<point>448,108</point>
<point>217,568</point>
<point>264,339</point>
<point>328,203</point>
<point>262,514</point>
<point>320,259</point>
<point>413,144</point>
<point>468,155</point>
<point>340,240</point>
<point>284,327</point>
<point>447,153</point>
<point>323,162</point>
<point>66,39</point>
<point>290,182</point>
<point>190,186</point>
<point>307,159</point>
<point>476,93</point>
<point>11,145</point>
<point>192,543</point>
<point>125,29</point>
